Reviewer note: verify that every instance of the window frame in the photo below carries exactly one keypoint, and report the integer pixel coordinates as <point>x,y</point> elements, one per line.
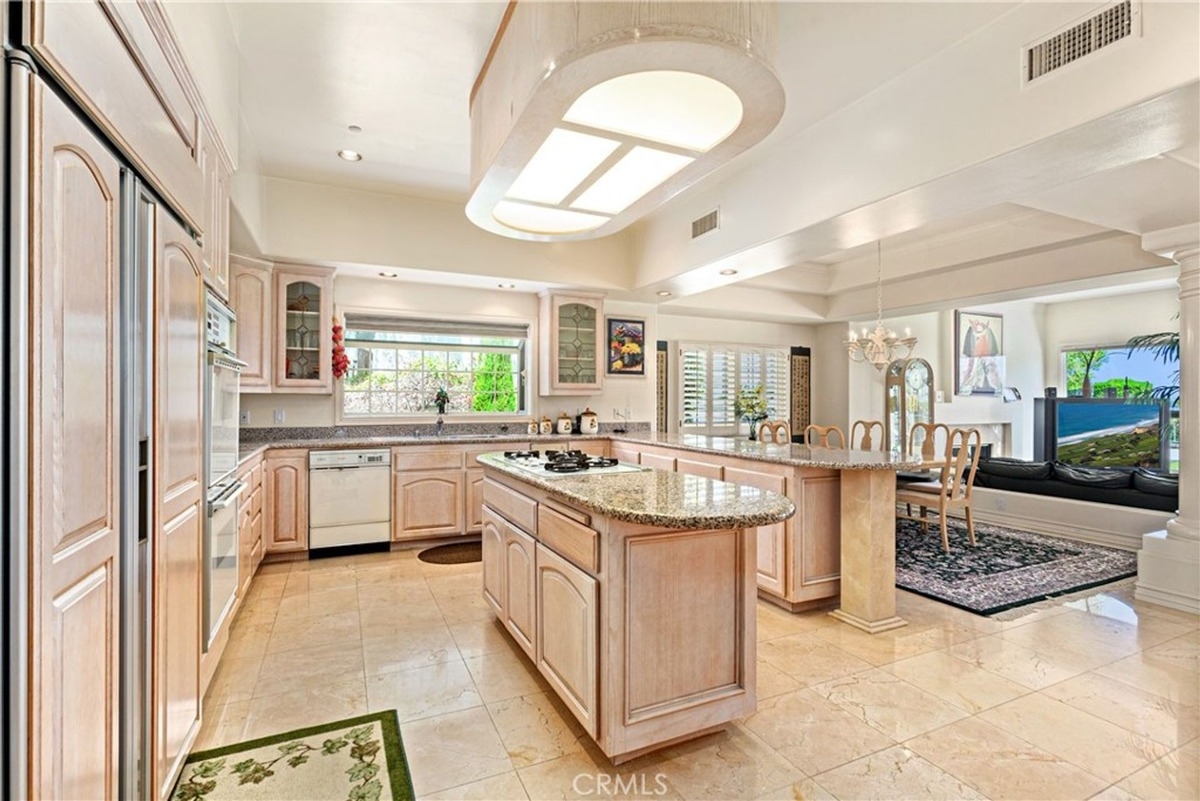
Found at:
<point>524,393</point>
<point>739,427</point>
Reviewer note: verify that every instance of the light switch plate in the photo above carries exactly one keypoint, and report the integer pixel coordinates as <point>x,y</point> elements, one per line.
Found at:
<point>278,416</point>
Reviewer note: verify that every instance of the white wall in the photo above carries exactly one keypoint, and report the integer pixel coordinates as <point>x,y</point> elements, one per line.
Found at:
<point>1101,322</point>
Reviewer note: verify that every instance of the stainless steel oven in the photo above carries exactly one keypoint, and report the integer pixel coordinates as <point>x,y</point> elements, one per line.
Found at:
<point>221,414</point>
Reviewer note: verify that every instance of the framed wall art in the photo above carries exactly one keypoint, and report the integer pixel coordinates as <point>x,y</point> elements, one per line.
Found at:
<point>626,347</point>
<point>978,353</point>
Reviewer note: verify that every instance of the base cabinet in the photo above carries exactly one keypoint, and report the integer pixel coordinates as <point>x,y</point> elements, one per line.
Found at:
<point>520,591</point>
<point>567,629</point>
<point>772,540</point>
<point>474,496</point>
<point>492,544</point>
<point>427,504</point>
<point>286,485</point>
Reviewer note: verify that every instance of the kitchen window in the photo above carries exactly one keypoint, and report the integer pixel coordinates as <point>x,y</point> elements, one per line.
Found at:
<point>711,375</point>
<point>398,365</point>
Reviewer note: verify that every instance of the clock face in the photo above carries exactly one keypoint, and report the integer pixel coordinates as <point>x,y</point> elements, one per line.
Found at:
<point>915,379</point>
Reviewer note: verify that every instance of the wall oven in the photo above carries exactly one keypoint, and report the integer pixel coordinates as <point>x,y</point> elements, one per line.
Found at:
<point>220,467</point>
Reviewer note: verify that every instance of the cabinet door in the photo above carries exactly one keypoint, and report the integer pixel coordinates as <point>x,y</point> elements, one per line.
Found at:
<point>492,543</point>
<point>474,507</point>
<point>427,504</point>
<point>623,452</point>
<point>287,502</point>
<point>567,631</point>
<point>250,296</point>
<point>74,513</point>
<point>772,540</point>
<point>303,331</point>
<point>256,538</point>
<point>595,447</point>
<point>520,591</point>
<point>694,467</point>
<point>179,349</point>
<point>245,546</point>
<point>659,461</point>
<point>573,347</point>
<point>212,253</point>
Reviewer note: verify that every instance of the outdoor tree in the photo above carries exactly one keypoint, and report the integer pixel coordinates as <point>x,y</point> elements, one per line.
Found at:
<point>494,389</point>
<point>1080,364</point>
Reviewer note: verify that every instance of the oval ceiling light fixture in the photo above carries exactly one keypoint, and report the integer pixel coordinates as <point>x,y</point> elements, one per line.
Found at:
<point>349,155</point>
<point>588,115</point>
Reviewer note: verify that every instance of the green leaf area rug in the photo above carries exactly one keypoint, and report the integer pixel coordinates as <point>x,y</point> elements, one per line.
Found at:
<point>359,759</point>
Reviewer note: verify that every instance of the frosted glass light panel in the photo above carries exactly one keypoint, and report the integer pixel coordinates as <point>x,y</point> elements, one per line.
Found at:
<point>578,348</point>
<point>908,399</point>
<point>302,330</point>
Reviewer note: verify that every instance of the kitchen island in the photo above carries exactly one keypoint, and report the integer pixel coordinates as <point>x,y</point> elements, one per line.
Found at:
<point>632,593</point>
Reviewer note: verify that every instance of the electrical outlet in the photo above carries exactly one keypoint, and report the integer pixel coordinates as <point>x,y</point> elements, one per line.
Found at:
<point>245,417</point>
<point>278,416</point>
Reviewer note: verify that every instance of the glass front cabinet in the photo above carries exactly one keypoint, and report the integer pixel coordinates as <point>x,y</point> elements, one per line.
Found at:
<point>908,399</point>
<point>303,329</point>
<point>572,352</point>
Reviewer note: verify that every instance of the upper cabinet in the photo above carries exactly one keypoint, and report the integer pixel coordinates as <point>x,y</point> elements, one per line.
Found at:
<point>252,298</point>
<point>303,329</point>
<point>214,241</point>
<point>571,358</point>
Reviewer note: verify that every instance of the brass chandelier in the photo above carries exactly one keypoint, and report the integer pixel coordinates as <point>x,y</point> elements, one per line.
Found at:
<point>882,346</point>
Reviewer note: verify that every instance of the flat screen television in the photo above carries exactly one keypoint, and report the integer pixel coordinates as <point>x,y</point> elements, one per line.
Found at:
<point>1102,432</point>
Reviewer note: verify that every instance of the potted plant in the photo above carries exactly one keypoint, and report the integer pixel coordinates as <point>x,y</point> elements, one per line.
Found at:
<point>751,405</point>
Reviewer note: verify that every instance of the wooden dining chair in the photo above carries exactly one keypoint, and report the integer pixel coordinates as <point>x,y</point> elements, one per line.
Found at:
<point>926,435</point>
<point>774,431</point>
<point>951,491</point>
<point>825,436</point>
<point>862,435</point>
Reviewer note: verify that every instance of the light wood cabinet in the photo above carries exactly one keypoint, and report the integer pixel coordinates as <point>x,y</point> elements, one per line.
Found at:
<point>625,452</point>
<point>286,486</point>
<point>772,540</point>
<point>698,467</point>
<point>249,523</point>
<point>252,299</point>
<point>573,349</point>
<point>492,544</point>
<point>74,511</point>
<point>567,630</point>
<point>520,587</point>
<point>179,493</point>
<point>427,503</point>
<point>658,461</point>
<point>214,241</point>
<point>595,447</point>
<point>474,499</point>
<point>303,329</point>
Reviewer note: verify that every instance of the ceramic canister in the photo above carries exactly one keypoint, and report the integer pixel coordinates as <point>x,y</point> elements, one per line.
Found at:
<point>589,423</point>
<point>564,424</point>
<point>547,427</point>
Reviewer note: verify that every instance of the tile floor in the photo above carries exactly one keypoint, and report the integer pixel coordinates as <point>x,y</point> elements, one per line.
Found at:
<point>1098,697</point>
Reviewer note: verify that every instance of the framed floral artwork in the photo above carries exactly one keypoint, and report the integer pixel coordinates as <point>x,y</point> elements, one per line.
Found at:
<point>626,347</point>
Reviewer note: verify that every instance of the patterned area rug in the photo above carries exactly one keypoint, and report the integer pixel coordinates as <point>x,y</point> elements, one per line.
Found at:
<point>359,759</point>
<point>1008,568</point>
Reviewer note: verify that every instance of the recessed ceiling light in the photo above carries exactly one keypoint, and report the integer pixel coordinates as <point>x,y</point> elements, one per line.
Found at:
<point>350,155</point>
<point>390,275</point>
<point>507,286</point>
<point>662,293</point>
<point>355,129</point>
<point>728,272</point>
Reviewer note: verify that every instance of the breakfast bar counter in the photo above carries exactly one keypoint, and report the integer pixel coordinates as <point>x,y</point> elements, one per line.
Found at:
<point>633,593</point>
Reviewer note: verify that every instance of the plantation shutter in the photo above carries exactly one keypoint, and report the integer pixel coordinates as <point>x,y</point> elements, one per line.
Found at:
<point>693,395</point>
<point>724,389</point>
<point>710,376</point>
<point>777,381</point>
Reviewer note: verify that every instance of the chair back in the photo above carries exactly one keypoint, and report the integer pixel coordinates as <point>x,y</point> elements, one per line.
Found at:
<point>922,440</point>
<point>862,435</point>
<point>825,437</point>
<point>776,431</point>
<point>963,446</point>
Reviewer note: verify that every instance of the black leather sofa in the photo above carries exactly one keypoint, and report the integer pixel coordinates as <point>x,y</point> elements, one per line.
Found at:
<point>1140,488</point>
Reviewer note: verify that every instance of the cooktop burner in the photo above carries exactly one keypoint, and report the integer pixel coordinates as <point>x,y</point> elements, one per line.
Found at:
<point>555,463</point>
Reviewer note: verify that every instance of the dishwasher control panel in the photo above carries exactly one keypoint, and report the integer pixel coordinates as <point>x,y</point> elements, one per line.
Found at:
<point>323,460</point>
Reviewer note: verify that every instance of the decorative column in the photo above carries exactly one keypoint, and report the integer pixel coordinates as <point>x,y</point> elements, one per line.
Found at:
<point>1169,561</point>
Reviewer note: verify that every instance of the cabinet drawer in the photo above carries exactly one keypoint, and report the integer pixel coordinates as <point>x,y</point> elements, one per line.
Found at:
<point>573,541</point>
<point>696,468</point>
<point>511,504</point>
<point>437,460</point>
<point>256,499</point>
<point>659,461</point>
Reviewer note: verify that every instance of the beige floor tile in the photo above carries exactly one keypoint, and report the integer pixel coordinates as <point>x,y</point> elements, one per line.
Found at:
<point>503,787</point>
<point>383,621</point>
<point>895,772</point>
<point>888,703</point>
<point>1175,776</point>
<point>1180,652</point>
<point>813,733</point>
<point>319,604</point>
<point>224,724</point>
<point>306,634</point>
<point>423,692</point>
<point>587,774</point>
<point>1114,793</point>
<point>501,674</point>
<point>453,749</point>
<point>397,596</point>
<point>314,582</point>
<point>247,639</point>
<point>803,790</point>
<point>1099,747</point>
<point>287,626</point>
<point>1003,766</point>
<point>1155,675</point>
<point>963,684</point>
<point>890,646</point>
<point>479,637</point>
<point>534,729</point>
<point>809,659</point>
<point>1169,722</point>
<point>1064,635</point>
<point>417,648</point>
<point>1013,661</point>
<point>288,671</point>
<point>774,622</point>
<point>234,680</point>
<point>729,764</point>
<point>771,681</point>
<point>324,703</point>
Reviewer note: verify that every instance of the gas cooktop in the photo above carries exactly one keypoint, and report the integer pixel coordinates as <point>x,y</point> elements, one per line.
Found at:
<point>555,464</point>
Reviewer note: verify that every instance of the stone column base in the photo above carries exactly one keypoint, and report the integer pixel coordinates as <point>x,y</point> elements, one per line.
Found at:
<point>1169,572</point>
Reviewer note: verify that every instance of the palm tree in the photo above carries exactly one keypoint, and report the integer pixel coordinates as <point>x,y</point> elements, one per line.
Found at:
<point>1165,347</point>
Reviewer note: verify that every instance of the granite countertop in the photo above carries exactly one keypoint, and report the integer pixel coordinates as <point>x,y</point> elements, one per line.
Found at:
<point>791,454</point>
<point>248,449</point>
<point>659,498</point>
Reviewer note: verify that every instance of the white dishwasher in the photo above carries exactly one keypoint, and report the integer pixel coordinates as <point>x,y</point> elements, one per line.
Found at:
<point>349,497</point>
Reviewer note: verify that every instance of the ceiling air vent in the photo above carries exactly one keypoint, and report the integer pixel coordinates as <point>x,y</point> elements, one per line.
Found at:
<point>702,225</point>
<point>1111,24</point>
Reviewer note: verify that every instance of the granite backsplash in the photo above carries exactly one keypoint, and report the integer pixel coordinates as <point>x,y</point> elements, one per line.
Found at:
<point>282,433</point>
